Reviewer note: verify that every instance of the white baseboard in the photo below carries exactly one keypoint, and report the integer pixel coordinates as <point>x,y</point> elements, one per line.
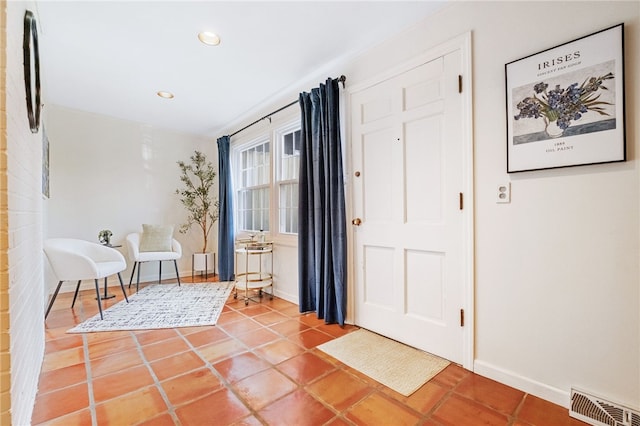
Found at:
<point>293,298</point>
<point>70,286</point>
<point>522,383</point>
<point>112,281</point>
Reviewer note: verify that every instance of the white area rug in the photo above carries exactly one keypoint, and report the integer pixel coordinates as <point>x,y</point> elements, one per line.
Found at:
<point>163,306</point>
<point>395,365</point>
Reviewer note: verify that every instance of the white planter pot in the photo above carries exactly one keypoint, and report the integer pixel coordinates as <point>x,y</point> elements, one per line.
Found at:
<point>202,261</point>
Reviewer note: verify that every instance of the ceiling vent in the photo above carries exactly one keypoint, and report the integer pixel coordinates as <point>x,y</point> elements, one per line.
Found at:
<point>600,412</point>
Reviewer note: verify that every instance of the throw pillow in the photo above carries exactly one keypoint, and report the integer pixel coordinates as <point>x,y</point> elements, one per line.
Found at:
<point>156,238</point>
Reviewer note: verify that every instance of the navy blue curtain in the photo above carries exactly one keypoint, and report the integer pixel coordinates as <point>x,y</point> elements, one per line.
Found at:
<point>322,241</point>
<point>225,220</point>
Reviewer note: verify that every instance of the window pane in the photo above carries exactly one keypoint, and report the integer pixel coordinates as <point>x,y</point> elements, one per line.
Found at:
<point>283,196</point>
<point>296,144</point>
<point>294,196</point>
<point>248,220</point>
<point>284,164</point>
<point>250,156</point>
<point>288,171</point>
<point>294,223</point>
<point>282,217</point>
<point>267,198</point>
<point>254,176</point>
<point>288,144</point>
<point>294,208</point>
<point>293,173</point>
<point>288,211</point>
<point>290,157</point>
<point>254,166</point>
<point>267,174</point>
<point>248,204</point>
<point>255,195</point>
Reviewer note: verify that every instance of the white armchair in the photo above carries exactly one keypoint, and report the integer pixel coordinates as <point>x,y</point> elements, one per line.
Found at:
<point>138,257</point>
<point>77,260</point>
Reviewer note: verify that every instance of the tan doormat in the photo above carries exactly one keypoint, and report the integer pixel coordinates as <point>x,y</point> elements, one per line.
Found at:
<point>400,367</point>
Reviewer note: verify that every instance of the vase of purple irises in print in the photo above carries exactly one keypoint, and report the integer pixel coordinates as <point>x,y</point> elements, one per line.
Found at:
<point>559,107</point>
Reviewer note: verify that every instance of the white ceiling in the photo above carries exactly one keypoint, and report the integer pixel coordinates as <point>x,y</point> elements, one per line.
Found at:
<point>111,57</point>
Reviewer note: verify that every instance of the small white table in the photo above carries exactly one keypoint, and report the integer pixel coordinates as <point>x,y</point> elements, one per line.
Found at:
<point>250,281</point>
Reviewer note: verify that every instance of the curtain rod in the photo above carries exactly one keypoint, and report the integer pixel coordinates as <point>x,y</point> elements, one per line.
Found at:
<point>340,79</point>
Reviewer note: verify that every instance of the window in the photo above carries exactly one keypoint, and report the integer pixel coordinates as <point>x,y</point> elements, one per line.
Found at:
<point>253,194</point>
<point>289,167</point>
<point>266,186</point>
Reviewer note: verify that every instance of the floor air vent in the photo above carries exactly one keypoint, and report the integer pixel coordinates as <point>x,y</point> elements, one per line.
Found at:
<point>599,412</point>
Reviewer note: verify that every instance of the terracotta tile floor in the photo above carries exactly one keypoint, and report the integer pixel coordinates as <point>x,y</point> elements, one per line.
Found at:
<point>259,365</point>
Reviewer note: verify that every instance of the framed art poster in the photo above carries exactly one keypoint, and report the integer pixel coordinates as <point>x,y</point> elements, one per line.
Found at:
<point>565,105</point>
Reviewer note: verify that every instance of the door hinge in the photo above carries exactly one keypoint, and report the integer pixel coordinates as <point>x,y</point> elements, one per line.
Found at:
<point>459,84</point>
<point>461,317</point>
<point>461,201</point>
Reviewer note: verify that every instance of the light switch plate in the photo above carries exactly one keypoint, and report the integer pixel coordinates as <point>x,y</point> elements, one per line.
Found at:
<point>503,193</point>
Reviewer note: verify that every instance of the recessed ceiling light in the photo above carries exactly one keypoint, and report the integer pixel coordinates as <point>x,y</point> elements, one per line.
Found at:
<point>209,38</point>
<point>166,95</point>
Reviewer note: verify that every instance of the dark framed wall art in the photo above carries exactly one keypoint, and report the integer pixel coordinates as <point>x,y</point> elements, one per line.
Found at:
<point>565,105</point>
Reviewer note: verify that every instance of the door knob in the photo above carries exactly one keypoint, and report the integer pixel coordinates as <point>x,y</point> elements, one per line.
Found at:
<point>357,221</point>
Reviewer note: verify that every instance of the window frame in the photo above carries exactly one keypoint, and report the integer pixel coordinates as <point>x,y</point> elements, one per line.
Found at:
<point>237,175</point>
<point>278,137</point>
<point>273,133</point>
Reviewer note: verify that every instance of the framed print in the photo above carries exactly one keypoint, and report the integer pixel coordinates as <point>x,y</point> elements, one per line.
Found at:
<point>565,105</point>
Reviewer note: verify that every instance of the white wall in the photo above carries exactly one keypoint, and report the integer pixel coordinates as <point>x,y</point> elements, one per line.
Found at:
<point>117,174</point>
<point>22,239</point>
<point>556,273</point>
<point>557,279</point>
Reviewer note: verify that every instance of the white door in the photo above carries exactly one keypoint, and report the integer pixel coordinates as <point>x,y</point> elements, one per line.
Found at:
<point>407,153</point>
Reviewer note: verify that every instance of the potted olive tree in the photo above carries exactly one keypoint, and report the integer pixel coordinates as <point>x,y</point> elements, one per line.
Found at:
<point>196,195</point>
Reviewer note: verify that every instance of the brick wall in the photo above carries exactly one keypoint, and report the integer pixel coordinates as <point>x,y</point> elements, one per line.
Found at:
<point>21,206</point>
<point>5,377</point>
